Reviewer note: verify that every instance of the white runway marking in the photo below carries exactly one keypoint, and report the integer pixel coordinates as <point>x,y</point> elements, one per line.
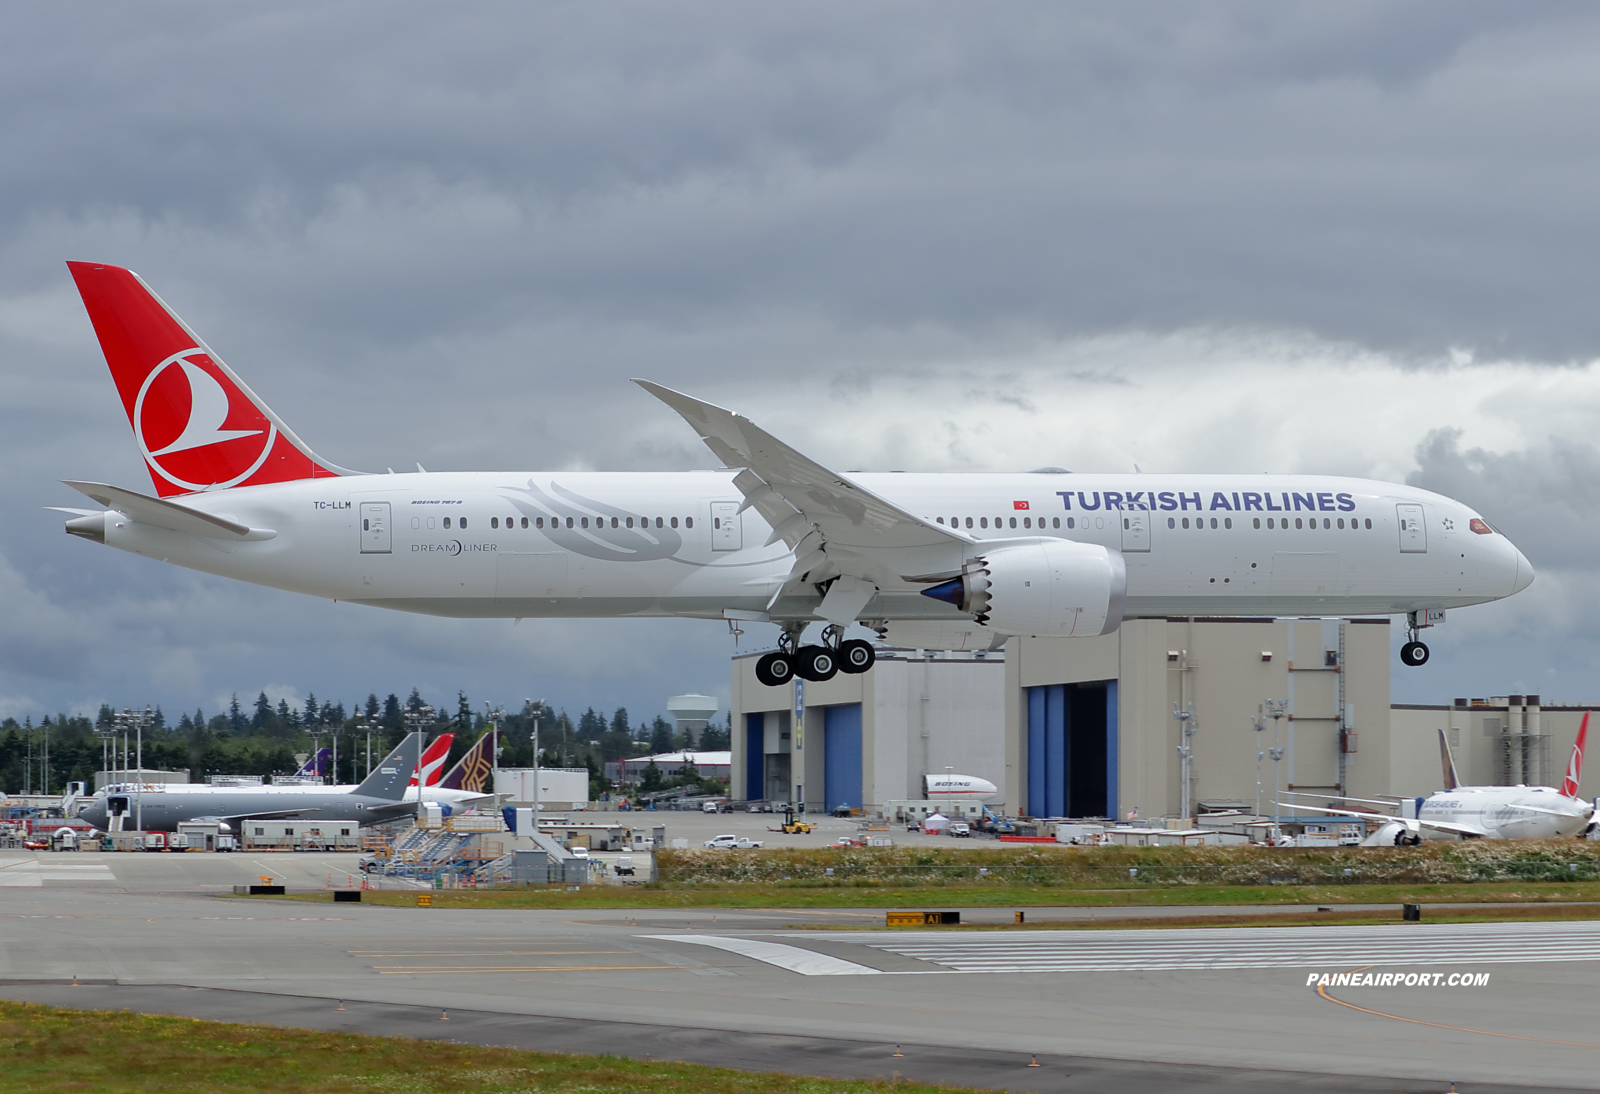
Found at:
<point>31,875</point>
<point>1239,947</point>
<point>793,958</point>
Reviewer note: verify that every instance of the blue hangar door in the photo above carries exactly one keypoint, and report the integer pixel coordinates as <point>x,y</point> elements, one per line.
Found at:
<point>841,755</point>
<point>1072,750</point>
<point>755,759</point>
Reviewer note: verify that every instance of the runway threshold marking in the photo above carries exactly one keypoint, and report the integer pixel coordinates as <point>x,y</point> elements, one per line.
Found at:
<point>1322,990</point>
<point>487,953</point>
<point>792,958</point>
<point>446,970</point>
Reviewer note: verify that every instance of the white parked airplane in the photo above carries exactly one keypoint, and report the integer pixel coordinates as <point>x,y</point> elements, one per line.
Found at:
<point>1484,812</point>
<point>940,561</point>
<point>966,787</point>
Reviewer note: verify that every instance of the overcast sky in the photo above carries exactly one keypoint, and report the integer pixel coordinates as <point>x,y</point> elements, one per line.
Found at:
<point>1354,238</point>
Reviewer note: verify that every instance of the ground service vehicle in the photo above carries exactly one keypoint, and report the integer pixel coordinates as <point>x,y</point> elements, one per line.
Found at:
<point>731,841</point>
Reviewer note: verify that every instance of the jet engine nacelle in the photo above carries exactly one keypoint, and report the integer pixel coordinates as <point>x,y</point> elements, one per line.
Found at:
<point>1042,588</point>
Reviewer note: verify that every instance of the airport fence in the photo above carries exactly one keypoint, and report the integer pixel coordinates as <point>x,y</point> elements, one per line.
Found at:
<point>1125,867</point>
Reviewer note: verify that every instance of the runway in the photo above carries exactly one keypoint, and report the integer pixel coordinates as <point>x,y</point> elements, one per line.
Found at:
<point>1200,1009</point>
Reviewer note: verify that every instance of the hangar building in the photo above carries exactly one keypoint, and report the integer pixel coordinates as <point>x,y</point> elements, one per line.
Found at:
<point>1086,727</point>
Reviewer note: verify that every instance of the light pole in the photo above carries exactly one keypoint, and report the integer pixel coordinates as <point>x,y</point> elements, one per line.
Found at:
<point>1190,726</point>
<point>1259,724</point>
<point>364,726</point>
<point>418,720</point>
<point>534,709</point>
<point>1277,710</point>
<point>493,716</point>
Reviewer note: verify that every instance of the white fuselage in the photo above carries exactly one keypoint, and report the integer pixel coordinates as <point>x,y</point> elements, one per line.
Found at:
<point>504,544</point>
<point>963,787</point>
<point>1503,812</point>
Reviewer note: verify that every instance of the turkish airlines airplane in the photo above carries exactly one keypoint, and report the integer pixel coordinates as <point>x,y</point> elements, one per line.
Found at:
<point>935,561</point>
<point>1484,812</point>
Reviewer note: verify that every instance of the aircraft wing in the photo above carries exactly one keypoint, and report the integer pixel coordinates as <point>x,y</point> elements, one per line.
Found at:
<point>234,818</point>
<point>1342,798</point>
<point>1389,818</point>
<point>835,527</point>
<point>1551,812</point>
<point>160,512</point>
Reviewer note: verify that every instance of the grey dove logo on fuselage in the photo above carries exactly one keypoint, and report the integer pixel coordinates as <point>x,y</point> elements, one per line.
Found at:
<point>608,535</point>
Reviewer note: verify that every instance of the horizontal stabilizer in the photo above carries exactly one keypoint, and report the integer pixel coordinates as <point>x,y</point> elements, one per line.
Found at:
<point>160,513</point>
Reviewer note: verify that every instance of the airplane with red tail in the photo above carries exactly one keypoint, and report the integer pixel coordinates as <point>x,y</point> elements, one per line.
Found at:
<point>1483,812</point>
<point>935,561</point>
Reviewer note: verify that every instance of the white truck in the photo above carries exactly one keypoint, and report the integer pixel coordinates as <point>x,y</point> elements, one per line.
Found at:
<point>741,843</point>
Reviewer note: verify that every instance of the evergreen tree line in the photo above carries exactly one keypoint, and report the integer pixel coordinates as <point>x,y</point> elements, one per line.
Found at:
<point>262,739</point>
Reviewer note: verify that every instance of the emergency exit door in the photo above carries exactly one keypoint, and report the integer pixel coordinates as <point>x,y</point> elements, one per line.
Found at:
<point>725,531</point>
<point>375,528</point>
<point>1135,530</point>
<point>1413,532</point>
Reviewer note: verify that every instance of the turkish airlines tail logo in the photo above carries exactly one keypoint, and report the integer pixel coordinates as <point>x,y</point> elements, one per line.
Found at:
<point>1569,785</point>
<point>198,426</point>
<point>432,765</point>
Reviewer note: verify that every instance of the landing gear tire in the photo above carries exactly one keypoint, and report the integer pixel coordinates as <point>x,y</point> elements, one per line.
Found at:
<point>816,663</point>
<point>775,669</point>
<point>1414,653</point>
<point>856,656</point>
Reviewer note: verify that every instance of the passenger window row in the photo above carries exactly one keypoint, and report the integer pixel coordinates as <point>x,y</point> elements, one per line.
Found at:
<point>583,522</point>
<point>1001,522</point>
<point>1328,523</point>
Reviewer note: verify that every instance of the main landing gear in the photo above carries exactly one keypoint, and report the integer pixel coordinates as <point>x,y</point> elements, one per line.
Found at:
<point>816,663</point>
<point>1415,652</point>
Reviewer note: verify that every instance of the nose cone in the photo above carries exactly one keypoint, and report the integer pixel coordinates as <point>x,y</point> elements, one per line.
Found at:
<point>1524,576</point>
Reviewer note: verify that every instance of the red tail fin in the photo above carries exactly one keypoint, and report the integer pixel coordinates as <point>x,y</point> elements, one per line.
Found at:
<point>431,766</point>
<point>1569,785</point>
<point>198,426</point>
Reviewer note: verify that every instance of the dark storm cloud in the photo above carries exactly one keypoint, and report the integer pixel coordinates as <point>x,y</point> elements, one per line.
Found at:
<point>1547,499</point>
<point>451,234</point>
<point>1399,175</point>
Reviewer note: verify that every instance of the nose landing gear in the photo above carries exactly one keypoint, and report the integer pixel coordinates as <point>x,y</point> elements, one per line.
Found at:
<point>1415,652</point>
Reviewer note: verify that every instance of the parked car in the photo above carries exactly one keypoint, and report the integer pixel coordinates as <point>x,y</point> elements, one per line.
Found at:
<point>624,866</point>
<point>846,841</point>
<point>579,852</point>
<point>741,843</point>
<point>961,828</point>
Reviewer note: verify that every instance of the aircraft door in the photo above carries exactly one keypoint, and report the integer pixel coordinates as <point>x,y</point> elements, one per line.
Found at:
<point>375,539</point>
<point>1135,530</point>
<point>726,534</point>
<point>1413,532</point>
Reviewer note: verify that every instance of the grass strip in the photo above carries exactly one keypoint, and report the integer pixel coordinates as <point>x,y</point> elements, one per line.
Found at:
<point>119,1052</point>
<point>804,895</point>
